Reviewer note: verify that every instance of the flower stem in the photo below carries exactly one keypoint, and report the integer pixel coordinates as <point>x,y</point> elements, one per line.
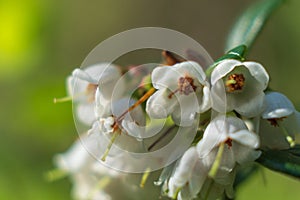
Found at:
<point>145,177</point>
<point>176,193</point>
<point>55,174</point>
<point>288,138</point>
<point>113,138</point>
<point>68,98</point>
<point>63,99</point>
<point>140,101</point>
<point>214,169</point>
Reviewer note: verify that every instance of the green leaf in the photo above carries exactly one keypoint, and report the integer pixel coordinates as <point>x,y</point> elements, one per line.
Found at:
<point>235,53</point>
<point>250,23</point>
<point>284,161</point>
<point>244,172</point>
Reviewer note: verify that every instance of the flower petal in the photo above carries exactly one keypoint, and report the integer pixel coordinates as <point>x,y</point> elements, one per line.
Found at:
<point>219,99</point>
<point>78,156</point>
<point>245,138</point>
<point>85,113</point>
<point>277,106</point>
<point>223,68</point>
<point>205,102</point>
<point>77,88</point>
<point>192,69</point>
<point>81,74</point>
<point>271,137</point>
<point>183,171</point>
<point>159,105</point>
<point>185,168</point>
<point>197,179</point>
<point>214,134</point>
<point>185,114</point>
<point>102,107</point>
<point>251,106</point>
<point>133,129</point>
<point>234,124</point>
<point>226,166</point>
<point>165,77</point>
<point>258,72</point>
<point>244,154</point>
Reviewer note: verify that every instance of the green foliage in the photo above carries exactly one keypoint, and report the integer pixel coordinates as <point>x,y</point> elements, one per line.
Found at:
<point>235,53</point>
<point>284,161</point>
<point>243,173</point>
<point>250,23</point>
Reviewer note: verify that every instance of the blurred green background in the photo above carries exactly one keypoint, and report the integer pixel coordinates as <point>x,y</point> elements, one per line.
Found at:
<point>41,42</point>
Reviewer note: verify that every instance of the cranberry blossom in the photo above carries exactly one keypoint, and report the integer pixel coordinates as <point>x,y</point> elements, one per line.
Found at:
<point>280,122</point>
<point>239,86</point>
<point>182,91</point>
<point>84,83</point>
<point>240,143</point>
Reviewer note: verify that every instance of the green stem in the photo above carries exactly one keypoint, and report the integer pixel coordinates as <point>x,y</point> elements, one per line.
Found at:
<point>288,138</point>
<point>113,138</point>
<point>176,193</point>
<point>145,177</point>
<point>55,174</point>
<point>214,169</point>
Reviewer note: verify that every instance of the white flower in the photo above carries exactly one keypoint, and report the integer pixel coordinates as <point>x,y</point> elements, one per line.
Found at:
<point>84,83</point>
<point>280,122</point>
<point>182,92</point>
<point>86,173</point>
<point>85,187</point>
<point>191,178</point>
<point>239,86</point>
<point>111,87</point>
<point>79,156</point>
<point>107,125</point>
<point>240,143</point>
<point>277,106</point>
<point>119,131</point>
<point>188,176</point>
<point>79,163</point>
<point>132,122</point>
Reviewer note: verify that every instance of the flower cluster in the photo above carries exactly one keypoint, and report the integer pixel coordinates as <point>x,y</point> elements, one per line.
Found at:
<point>236,114</point>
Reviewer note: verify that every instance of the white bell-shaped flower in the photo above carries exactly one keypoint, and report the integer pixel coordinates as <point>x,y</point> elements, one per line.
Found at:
<point>88,175</point>
<point>79,156</point>
<point>239,144</point>
<point>239,86</point>
<point>188,177</point>
<point>120,129</point>
<point>280,122</point>
<point>132,122</point>
<point>85,187</point>
<point>182,91</point>
<point>84,83</point>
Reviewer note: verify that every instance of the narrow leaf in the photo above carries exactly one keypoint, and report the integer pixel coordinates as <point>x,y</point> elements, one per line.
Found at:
<point>250,23</point>
<point>284,161</point>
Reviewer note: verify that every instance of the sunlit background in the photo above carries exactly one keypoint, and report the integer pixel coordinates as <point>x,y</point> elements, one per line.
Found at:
<point>41,42</point>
